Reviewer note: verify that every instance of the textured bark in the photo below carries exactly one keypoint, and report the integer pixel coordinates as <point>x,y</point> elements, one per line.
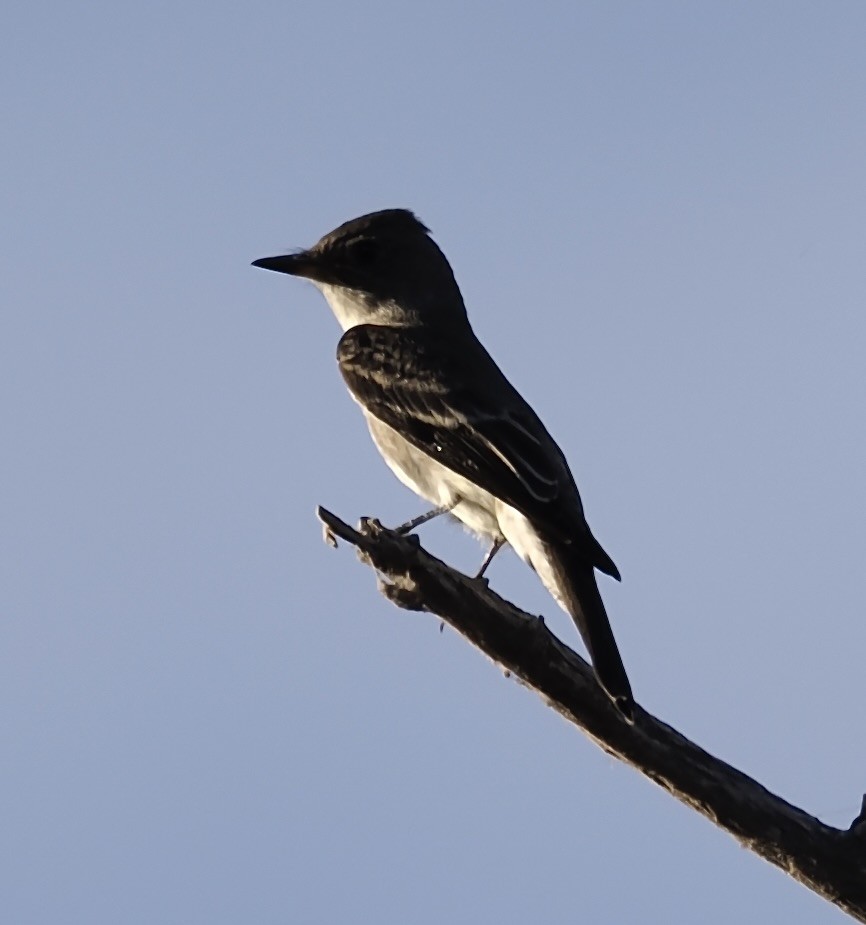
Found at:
<point>830,861</point>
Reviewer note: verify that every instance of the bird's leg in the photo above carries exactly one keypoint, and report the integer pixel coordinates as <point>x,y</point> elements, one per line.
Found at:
<point>410,525</point>
<point>498,543</point>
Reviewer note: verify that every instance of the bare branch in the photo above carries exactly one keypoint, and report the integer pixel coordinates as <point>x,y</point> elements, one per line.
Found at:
<point>830,861</point>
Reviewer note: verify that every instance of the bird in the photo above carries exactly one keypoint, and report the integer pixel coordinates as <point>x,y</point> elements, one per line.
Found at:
<point>447,421</point>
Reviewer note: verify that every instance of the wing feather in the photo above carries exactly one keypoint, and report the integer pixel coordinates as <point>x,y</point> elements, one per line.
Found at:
<point>415,386</point>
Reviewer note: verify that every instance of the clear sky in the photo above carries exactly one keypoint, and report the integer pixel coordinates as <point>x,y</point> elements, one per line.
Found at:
<point>657,214</point>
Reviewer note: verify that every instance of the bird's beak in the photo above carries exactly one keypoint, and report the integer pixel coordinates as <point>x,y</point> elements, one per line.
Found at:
<point>302,264</point>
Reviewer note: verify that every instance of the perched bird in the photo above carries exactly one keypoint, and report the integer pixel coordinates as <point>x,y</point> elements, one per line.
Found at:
<point>447,421</point>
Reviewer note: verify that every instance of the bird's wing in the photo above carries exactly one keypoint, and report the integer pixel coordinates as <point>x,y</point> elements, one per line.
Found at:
<point>414,385</point>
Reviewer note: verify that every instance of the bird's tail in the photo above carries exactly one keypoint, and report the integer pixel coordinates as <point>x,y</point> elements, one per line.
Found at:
<point>579,594</point>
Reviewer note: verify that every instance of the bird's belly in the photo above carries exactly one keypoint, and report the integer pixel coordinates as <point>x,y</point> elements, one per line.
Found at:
<point>480,511</point>
<point>472,505</point>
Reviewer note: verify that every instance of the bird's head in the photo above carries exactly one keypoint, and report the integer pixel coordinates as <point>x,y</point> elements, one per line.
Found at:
<point>381,268</point>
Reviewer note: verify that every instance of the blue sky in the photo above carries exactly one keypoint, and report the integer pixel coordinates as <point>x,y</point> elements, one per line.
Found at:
<point>656,213</point>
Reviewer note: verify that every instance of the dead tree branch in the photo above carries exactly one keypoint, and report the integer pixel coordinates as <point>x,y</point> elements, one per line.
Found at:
<point>830,861</point>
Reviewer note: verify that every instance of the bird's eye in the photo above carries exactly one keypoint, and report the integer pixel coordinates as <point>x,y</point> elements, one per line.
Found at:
<point>364,251</point>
